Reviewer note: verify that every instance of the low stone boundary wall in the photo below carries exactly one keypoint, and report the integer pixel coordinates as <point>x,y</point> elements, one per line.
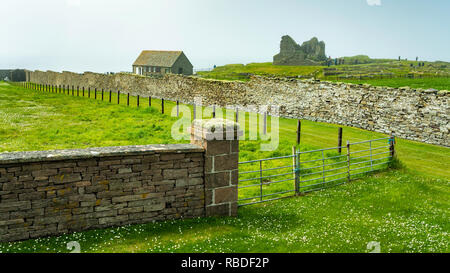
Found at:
<point>414,114</point>
<point>54,192</point>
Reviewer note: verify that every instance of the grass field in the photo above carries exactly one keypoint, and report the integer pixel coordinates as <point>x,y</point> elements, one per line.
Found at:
<point>240,71</point>
<point>424,83</point>
<point>435,75</point>
<point>404,209</point>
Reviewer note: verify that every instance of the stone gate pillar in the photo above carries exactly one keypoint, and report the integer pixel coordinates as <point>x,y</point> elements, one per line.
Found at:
<point>219,137</point>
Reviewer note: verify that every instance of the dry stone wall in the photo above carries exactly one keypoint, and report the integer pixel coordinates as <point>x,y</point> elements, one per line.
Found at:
<point>54,192</point>
<point>46,193</point>
<point>421,115</point>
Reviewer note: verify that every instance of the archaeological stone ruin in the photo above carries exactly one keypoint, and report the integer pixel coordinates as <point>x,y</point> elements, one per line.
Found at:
<point>311,52</point>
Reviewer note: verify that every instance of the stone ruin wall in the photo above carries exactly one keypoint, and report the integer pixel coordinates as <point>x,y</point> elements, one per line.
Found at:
<point>45,193</point>
<point>421,115</point>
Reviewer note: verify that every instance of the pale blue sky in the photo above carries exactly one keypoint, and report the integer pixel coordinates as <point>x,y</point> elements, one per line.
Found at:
<point>107,35</point>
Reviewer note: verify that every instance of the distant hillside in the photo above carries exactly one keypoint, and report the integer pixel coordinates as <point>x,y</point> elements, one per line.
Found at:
<point>363,59</point>
<point>376,71</point>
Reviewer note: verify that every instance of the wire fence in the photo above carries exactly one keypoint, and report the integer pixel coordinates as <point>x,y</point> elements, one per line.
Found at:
<point>270,179</point>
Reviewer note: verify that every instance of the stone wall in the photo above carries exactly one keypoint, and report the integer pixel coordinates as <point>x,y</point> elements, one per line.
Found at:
<point>221,164</point>
<point>5,73</point>
<point>46,193</point>
<point>414,114</point>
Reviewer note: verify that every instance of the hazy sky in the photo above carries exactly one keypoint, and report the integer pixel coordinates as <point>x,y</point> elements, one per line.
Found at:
<point>108,35</point>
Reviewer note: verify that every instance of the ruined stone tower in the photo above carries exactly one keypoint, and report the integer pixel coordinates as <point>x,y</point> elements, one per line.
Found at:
<point>311,52</point>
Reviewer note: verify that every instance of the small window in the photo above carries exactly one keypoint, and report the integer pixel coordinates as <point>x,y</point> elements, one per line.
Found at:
<point>158,69</point>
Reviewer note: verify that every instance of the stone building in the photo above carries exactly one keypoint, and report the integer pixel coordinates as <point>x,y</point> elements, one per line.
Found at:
<point>311,52</point>
<point>162,62</point>
<point>15,75</point>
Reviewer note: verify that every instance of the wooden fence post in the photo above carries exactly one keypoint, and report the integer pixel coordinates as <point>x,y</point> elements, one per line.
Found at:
<point>95,93</point>
<point>118,97</point>
<point>110,94</point>
<point>89,92</point>
<point>340,140</point>
<point>392,145</point>
<point>83,90</point>
<point>149,101</point>
<point>137,102</point>
<point>214,111</point>
<point>178,109</point>
<point>162,106</point>
<point>299,129</point>
<point>128,99</point>
<point>102,94</point>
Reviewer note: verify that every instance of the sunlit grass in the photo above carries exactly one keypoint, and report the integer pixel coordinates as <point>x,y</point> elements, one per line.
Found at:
<point>403,212</point>
<point>439,83</point>
<point>405,209</point>
<point>389,68</point>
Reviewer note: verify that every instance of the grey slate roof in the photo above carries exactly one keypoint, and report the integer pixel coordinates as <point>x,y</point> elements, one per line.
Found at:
<point>157,58</point>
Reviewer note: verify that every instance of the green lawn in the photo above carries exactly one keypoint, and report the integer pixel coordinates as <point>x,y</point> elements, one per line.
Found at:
<point>442,83</point>
<point>401,211</point>
<point>239,71</point>
<point>436,74</point>
<point>404,209</point>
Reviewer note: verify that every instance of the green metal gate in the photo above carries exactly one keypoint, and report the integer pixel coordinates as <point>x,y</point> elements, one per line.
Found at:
<point>273,178</point>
